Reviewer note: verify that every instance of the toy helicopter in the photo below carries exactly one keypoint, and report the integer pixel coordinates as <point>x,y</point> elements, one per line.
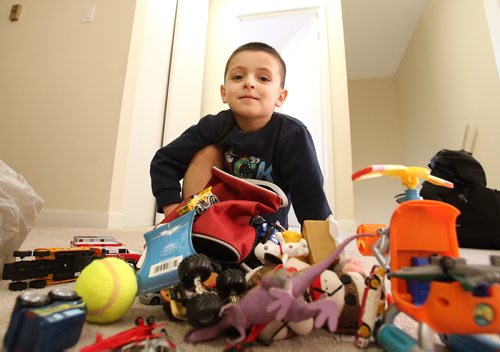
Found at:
<point>447,269</point>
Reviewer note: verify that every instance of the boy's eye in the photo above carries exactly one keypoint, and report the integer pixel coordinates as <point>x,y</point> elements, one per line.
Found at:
<point>237,77</point>
<point>264,79</point>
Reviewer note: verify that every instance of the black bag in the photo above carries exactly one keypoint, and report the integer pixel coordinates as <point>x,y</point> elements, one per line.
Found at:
<point>478,225</point>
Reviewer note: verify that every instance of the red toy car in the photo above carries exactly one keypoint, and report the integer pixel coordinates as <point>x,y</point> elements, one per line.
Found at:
<point>110,246</point>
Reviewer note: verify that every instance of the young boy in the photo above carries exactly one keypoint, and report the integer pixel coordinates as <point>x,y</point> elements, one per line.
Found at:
<point>249,140</point>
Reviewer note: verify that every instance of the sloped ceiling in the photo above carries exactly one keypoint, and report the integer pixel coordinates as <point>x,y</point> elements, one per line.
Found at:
<point>377,33</point>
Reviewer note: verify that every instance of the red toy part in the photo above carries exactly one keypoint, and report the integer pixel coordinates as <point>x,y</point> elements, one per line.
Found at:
<point>109,246</point>
<point>143,331</point>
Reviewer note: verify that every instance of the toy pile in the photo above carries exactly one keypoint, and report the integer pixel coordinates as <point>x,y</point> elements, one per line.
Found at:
<point>221,268</point>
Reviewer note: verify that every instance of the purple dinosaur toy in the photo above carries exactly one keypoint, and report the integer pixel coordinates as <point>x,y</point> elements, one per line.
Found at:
<point>280,296</point>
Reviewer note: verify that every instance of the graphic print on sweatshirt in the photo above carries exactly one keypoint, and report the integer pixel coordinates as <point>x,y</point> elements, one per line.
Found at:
<point>243,166</point>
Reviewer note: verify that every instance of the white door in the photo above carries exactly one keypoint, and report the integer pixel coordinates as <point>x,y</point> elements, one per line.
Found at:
<point>297,29</point>
<point>148,110</point>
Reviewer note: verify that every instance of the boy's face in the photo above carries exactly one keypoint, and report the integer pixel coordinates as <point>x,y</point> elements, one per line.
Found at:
<point>252,86</point>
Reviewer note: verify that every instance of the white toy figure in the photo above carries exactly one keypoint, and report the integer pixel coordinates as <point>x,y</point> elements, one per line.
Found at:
<point>290,244</point>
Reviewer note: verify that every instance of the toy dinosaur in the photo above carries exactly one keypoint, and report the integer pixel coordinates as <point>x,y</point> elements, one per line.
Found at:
<point>280,296</point>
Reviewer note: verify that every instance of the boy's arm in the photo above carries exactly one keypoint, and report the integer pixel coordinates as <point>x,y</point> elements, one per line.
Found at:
<point>171,161</point>
<point>169,165</point>
<point>167,209</point>
<point>301,172</point>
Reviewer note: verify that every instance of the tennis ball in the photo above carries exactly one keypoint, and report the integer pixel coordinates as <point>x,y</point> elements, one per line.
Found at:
<point>108,287</point>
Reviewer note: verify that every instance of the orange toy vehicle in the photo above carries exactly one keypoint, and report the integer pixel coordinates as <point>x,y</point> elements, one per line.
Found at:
<point>49,266</point>
<point>429,281</point>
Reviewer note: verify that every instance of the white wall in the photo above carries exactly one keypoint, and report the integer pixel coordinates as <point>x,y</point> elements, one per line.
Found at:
<point>376,139</point>
<point>62,84</point>
<point>492,9</point>
<point>448,77</point>
<point>148,97</point>
<point>79,120</point>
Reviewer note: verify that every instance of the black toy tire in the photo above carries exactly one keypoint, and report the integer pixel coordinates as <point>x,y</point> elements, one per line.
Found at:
<point>63,294</point>
<point>32,299</point>
<point>18,286</point>
<point>178,293</point>
<point>231,280</point>
<point>216,267</point>
<point>41,253</point>
<point>150,320</point>
<point>193,266</point>
<point>132,263</point>
<point>213,200</point>
<point>40,283</point>
<point>63,276</point>
<point>22,254</point>
<point>203,310</point>
<point>199,209</point>
<point>155,301</point>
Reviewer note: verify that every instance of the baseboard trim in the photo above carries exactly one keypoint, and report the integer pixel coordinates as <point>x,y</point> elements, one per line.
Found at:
<point>65,218</point>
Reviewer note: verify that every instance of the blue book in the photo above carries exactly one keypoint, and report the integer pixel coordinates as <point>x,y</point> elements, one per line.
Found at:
<point>166,246</point>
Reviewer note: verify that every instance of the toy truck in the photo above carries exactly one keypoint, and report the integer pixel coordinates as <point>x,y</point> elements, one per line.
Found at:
<point>48,267</point>
<point>41,322</point>
<point>110,247</point>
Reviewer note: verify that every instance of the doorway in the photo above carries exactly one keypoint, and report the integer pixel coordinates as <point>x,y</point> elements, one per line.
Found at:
<point>298,33</point>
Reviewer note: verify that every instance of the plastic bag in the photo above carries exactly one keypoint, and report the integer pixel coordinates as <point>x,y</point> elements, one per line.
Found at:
<point>19,206</point>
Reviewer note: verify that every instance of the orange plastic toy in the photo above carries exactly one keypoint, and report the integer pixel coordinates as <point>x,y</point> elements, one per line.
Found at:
<point>424,227</point>
<point>365,244</point>
<point>418,229</point>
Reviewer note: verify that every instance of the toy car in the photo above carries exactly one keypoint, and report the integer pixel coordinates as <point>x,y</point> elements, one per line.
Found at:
<point>151,298</point>
<point>372,306</point>
<point>94,241</point>
<point>198,298</point>
<point>199,202</point>
<point>41,322</point>
<point>50,266</point>
<point>110,246</point>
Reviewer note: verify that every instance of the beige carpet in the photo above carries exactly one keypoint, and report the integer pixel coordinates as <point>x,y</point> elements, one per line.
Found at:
<point>319,340</point>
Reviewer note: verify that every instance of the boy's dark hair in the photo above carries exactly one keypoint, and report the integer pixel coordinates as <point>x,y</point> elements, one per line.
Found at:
<point>258,46</point>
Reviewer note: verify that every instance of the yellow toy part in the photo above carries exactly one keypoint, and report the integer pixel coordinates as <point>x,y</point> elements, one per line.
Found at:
<point>409,175</point>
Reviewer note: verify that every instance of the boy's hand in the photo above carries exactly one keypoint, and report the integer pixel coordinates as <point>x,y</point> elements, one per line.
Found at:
<point>167,209</point>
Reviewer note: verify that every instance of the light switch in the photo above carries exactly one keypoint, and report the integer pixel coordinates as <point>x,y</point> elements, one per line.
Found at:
<point>88,13</point>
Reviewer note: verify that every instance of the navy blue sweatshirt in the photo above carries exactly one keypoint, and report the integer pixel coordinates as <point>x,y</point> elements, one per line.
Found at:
<point>281,152</point>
